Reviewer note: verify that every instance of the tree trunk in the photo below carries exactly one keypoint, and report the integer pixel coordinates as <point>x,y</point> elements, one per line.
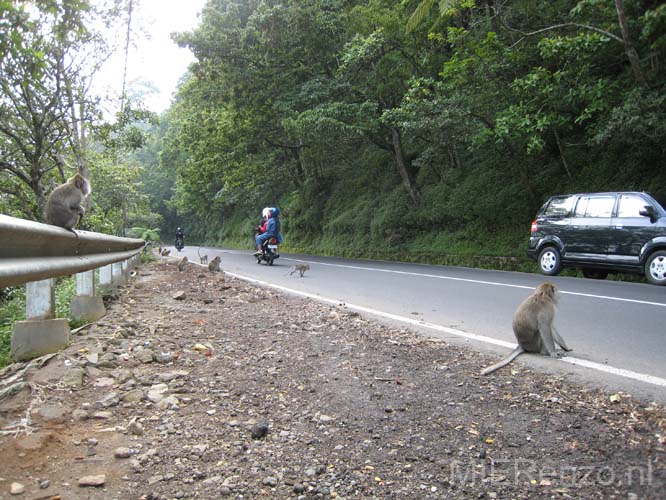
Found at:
<point>634,60</point>
<point>402,165</point>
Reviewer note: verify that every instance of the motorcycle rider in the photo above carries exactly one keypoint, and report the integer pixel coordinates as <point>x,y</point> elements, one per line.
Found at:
<point>272,228</point>
<point>180,235</point>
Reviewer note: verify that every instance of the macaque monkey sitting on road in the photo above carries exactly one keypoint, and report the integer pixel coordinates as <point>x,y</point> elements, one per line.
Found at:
<point>214,264</point>
<point>64,207</point>
<point>301,268</point>
<point>182,263</point>
<point>533,326</point>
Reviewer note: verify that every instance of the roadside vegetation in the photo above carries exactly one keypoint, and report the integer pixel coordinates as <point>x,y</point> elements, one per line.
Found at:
<point>418,130</point>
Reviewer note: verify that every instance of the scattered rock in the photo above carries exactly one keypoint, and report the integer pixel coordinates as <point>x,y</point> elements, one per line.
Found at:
<point>95,481</point>
<point>260,430</point>
<point>16,489</point>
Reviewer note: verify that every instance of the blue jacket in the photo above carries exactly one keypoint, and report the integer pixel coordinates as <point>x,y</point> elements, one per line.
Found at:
<point>273,226</point>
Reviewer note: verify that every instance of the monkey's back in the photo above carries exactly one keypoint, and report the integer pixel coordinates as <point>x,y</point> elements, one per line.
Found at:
<point>526,322</point>
<point>57,210</point>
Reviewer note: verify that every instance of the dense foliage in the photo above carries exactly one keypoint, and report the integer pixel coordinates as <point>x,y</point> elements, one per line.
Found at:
<point>50,121</point>
<point>442,137</point>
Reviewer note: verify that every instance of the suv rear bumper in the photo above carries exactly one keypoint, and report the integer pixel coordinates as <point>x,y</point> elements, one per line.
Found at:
<point>532,248</point>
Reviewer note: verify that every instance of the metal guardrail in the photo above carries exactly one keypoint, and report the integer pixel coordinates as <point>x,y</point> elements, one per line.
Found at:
<point>31,251</point>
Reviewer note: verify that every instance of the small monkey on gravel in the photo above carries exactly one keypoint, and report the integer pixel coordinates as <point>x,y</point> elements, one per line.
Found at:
<point>64,208</point>
<point>182,263</point>
<point>214,265</point>
<point>204,259</point>
<point>301,268</point>
<point>533,326</point>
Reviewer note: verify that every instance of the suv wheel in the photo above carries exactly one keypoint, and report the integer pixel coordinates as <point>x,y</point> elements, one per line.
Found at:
<point>655,268</point>
<point>550,261</point>
<point>595,274</point>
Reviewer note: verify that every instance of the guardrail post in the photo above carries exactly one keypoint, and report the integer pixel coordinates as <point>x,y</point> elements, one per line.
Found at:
<point>41,333</point>
<point>106,276</point>
<point>86,306</point>
<point>117,271</point>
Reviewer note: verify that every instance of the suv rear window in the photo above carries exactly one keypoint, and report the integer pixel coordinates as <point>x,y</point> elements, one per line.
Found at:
<point>559,207</point>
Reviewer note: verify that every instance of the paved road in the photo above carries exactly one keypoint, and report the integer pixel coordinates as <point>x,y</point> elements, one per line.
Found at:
<point>613,324</point>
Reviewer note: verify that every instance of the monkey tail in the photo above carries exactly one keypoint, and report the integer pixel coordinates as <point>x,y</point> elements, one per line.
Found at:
<point>514,354</point>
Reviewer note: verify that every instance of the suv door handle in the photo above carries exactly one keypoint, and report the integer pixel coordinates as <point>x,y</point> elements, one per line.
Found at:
<point>618,227</point>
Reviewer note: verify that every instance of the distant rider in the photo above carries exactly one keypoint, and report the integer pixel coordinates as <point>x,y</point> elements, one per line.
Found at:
<point>272,229</point>
<point>180,235</point>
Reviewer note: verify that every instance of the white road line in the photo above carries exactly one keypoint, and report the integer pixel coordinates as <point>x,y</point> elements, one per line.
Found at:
<point>649,379</point>
<point>481,282</point>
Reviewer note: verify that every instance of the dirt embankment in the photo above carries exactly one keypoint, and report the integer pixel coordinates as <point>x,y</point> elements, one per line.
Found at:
<point>231,391</point>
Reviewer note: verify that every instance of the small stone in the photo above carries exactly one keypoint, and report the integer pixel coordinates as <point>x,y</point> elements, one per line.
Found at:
<point>145,356</point>
<point>168,403</point>
<point>270,481</point>
<point>44,484</point>
<point>135,428</point>
<point>178,295</point>
<point>94,481</point>
<point>259,430</point>
<point>102,415</point>
<point>133,396</point>
<point>324,419</point>
<point>122,453</point>
<point>52,413</point>
<point>17,489</point>
<point>73,377</point>
<point>80,415</point>
<point>164,357</point>
<point>108,401</point>
<point>104,382</point>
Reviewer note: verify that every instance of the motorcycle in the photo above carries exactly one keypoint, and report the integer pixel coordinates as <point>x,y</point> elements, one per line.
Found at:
<point>269,252</point>
<point>180,244</point>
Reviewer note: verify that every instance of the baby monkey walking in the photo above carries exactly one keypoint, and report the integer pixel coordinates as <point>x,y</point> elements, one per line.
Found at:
<point>533,326</point>
<point>202,259</point>
<point>301,268</point>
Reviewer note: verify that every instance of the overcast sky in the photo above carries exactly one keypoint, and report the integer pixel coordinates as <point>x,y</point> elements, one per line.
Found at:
<point>154,60</point>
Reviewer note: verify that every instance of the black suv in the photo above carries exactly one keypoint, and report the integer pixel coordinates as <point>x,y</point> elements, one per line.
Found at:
<point>601,232</point>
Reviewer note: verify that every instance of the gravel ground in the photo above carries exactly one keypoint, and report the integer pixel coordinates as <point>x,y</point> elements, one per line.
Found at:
<point>197,386</point>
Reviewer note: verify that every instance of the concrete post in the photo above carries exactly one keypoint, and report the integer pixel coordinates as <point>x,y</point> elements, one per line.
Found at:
<point>105,276</point>
<point>117,271</point>
<point>40,299</point>
<point>85,305</point>
<point>41,333</point>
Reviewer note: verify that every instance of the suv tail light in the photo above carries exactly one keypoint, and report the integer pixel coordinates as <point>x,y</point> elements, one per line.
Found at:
<point>533,229</point>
